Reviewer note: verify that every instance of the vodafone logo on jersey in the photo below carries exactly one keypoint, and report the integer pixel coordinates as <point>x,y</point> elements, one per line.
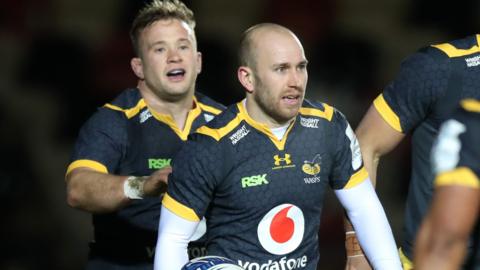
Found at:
<point>281,230</point>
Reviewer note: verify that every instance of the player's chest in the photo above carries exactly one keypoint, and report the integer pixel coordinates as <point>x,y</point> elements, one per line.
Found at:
<point>151,146</point>
<point>261,173</point>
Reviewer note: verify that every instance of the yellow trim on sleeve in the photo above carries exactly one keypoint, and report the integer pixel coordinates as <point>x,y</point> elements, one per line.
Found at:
<point>357,178</point>
<point>407,264</point>
<point>326,114</point>
<point>461,176</point>
<point>471,105</point>
<point>179,209</point>
<point>128,112</point>
<point>209,109</point>
<point>387,113</point>
<point>451,51</point>
<point>94,165</point>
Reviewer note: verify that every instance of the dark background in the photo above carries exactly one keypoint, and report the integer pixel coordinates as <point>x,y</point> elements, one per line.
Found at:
<point>60,59</point>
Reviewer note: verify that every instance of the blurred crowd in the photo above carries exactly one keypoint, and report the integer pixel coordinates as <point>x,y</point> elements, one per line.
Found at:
<point>61,59</point>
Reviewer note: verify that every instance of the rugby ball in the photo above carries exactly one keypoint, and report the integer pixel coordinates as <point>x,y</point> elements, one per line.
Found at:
<point>211,263</point>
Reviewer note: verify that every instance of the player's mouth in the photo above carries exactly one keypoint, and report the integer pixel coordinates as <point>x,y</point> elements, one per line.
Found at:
<point>291,99</point>
<point>176,75</point>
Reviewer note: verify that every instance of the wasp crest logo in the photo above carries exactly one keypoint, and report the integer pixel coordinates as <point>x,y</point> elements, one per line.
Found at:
<point>312,167</point>
<point>282,162</point>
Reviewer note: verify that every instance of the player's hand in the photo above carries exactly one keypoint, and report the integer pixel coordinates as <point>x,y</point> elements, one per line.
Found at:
<point>357,263</point>
<point>156,183</point>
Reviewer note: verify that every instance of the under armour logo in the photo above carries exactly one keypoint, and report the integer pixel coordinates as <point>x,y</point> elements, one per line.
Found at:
<point>279,160</point>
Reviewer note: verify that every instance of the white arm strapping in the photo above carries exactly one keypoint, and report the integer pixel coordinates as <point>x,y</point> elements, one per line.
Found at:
<point>371,225</point>
<point>174,233</point>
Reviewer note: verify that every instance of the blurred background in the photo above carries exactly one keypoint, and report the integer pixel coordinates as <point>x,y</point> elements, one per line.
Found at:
<point>61,59</point>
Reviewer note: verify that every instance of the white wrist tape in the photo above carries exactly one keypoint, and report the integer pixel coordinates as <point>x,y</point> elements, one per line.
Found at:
<point>133,187</point>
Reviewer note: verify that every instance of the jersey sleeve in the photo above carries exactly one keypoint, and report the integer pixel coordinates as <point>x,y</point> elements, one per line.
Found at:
<point>196,170</point>
<point>409,97</point>
<point>456,153</point>
<point>348,170</point>
<point>101,142</point>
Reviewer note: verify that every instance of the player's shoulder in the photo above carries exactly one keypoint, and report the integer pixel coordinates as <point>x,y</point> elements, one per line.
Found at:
<point>317,109</point>
<point>113,117</point>
<point>323,111</point>
<point>458,48</point>
<point>227,122</point>
<point>209,105</point>
<point>126,105</point>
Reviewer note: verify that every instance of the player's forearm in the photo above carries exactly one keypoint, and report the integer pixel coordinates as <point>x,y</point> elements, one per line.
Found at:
<point>438,250</point>
<point>371,225</point>
<point>442,257</point>
<point>174,233</point>
<point>95,192</point>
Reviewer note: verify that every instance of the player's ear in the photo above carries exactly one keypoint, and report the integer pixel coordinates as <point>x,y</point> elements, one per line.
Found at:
<point>199,62</point>
<point>137,66</point>
<point>245,76</point>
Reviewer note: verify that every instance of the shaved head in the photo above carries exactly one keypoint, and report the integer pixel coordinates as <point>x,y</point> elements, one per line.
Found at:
<point>273,70</point>
<point>253,38</point>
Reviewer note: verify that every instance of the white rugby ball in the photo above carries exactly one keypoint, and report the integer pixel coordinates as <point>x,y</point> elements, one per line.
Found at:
<point>211,263</point>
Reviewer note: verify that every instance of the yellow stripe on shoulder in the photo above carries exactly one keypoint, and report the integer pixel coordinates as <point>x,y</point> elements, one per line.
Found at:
<point>209,109</point>
<point>218,133</point>
<point>357,178</point>
<point>387,113</point>
<point>327,113</point>
<point>179,209</point>
<point>461,176</point>
<point>128,112</point>
<point>92,164</point>
<point>471,105</point>
<point>452,51</point>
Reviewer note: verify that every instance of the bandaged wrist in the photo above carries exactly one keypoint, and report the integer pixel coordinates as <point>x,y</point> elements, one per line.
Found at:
<point>133,187</point>
<point>352,246</point>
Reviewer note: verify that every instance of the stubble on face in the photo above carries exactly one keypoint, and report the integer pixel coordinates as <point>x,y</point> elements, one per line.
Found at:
<point>278,96</point>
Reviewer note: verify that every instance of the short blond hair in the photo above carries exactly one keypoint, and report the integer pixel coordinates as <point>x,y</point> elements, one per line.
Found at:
<point>159,10</point>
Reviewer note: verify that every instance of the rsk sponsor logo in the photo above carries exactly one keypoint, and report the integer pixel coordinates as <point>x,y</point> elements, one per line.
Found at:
<point>255,180</point>
<point>158,163</point>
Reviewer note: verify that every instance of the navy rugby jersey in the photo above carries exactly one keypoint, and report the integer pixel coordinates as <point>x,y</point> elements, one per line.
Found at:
<point>428,87</point>
<point>125,137</point>
<point>262,197</point>
<point>461,166</point>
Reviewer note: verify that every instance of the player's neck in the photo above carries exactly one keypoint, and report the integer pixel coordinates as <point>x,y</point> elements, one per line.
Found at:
<point>257,114</point>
